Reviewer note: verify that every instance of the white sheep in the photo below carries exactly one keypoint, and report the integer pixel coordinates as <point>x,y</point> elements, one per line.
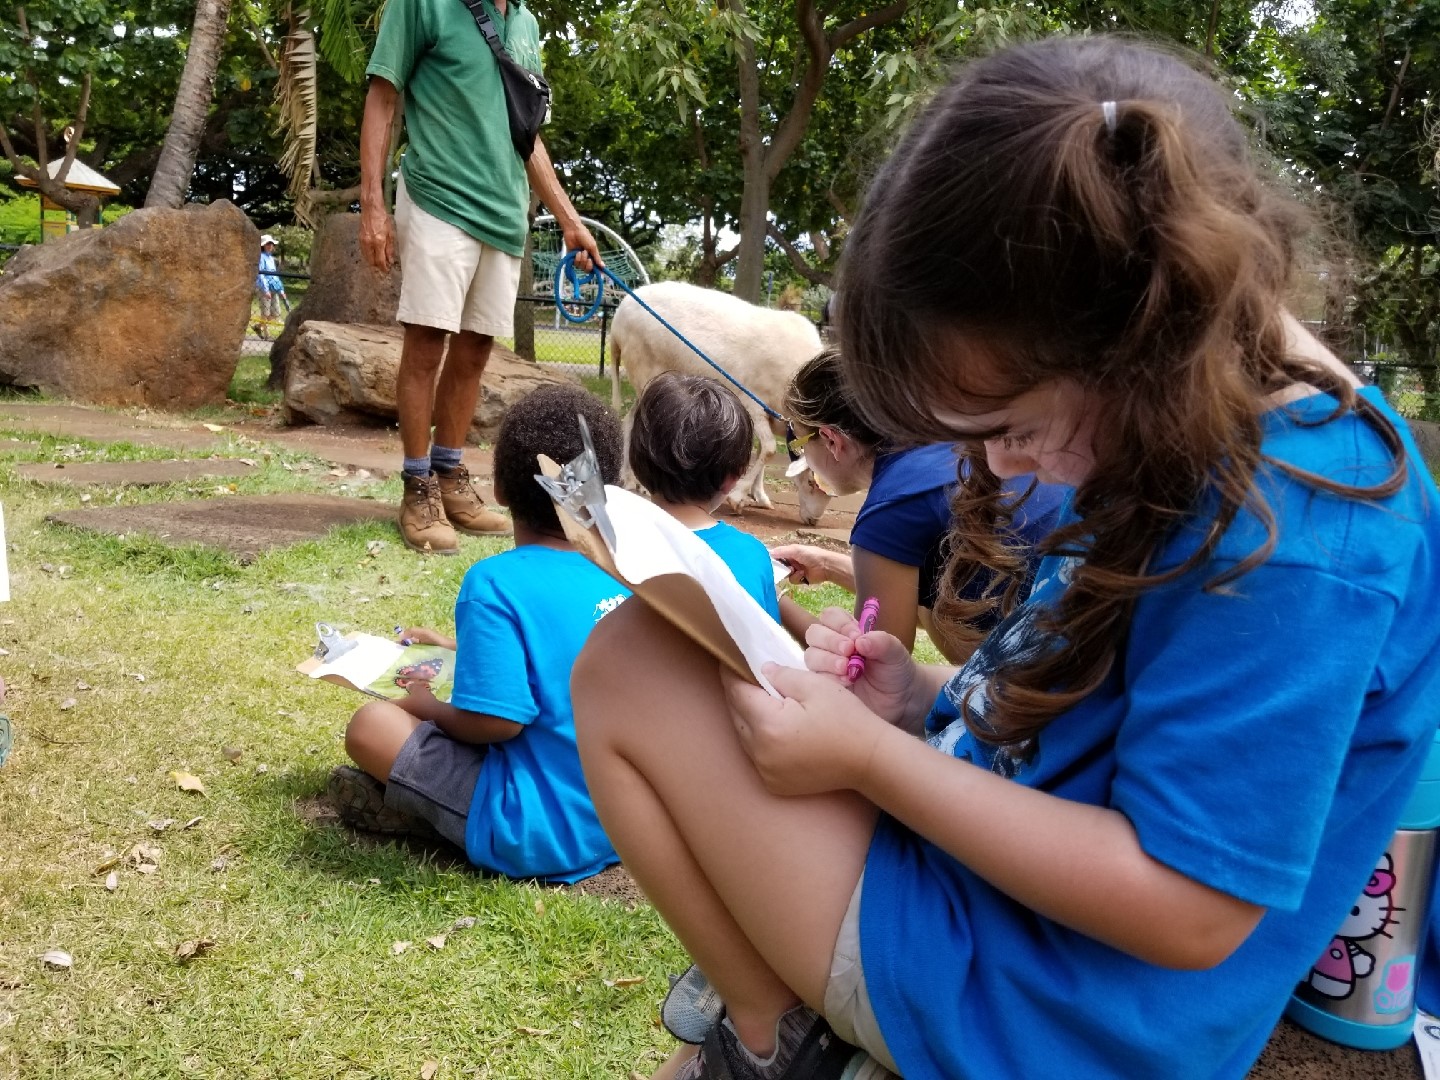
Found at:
<point>760,347</point>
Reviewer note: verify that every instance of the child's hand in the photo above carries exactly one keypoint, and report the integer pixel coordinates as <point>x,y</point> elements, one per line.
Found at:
<point>818,737</point>
<point>420,635</point>
<point>889,681</point>
<point>807,564</point>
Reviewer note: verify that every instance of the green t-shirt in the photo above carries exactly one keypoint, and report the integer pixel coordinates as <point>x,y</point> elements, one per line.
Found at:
<point>461,166</point>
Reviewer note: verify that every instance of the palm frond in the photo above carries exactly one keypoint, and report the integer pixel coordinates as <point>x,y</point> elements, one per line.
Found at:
<point>296,94</point>
<point>340,41</point>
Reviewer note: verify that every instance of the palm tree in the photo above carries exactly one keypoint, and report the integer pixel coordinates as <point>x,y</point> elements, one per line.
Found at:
<point>171,181</point>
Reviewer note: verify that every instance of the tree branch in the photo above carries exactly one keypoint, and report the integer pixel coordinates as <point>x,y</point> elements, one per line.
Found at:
<point>78,127</point>
<point>803,268</point>
<point>856,27</point>
<point>259,39</point>
<point>1395,90</point>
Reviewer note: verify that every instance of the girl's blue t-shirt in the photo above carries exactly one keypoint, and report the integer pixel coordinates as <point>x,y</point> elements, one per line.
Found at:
<point>1262,739</point>
<point>521,619</point>
<point>748,559</point>
<point>906,514</point>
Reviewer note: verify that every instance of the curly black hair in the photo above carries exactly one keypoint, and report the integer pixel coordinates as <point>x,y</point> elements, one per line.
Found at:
<point>688,436</point>
<point>543,422</point>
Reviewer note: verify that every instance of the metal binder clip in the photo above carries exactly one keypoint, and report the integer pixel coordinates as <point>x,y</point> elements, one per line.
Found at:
<point>580,489</point>
<point>331,646</point>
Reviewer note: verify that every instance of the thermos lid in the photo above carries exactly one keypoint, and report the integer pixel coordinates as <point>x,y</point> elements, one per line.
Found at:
<point>1423,809</point>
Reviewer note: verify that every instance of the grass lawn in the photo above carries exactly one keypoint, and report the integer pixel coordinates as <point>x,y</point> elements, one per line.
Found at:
<point>128,662</point>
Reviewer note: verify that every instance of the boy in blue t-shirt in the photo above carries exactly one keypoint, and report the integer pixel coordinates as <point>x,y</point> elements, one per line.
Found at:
<point>690,442</point>
<point>495,770</point>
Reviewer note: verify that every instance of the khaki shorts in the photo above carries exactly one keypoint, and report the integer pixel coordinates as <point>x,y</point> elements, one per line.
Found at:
<point>847,1001</point>
<point>449,279</point>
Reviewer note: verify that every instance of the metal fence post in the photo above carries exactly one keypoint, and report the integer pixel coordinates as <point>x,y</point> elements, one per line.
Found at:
<point>604,326</point>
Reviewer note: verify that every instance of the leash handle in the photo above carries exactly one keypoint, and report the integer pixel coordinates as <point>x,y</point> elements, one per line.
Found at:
<point>565,271</point>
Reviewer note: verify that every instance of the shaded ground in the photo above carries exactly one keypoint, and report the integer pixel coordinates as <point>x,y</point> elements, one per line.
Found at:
<point>244,524</point>
<point>131,473</point>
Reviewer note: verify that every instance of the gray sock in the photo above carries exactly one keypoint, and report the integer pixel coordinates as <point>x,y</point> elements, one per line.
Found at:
<point>418,467</point>
<point>444,459</point>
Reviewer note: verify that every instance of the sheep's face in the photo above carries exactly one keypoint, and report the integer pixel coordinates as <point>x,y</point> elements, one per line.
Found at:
<point>811,497</point>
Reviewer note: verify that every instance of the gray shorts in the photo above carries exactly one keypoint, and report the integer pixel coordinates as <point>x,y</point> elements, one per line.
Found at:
<point>847,1000</point>
<point>434,779</point>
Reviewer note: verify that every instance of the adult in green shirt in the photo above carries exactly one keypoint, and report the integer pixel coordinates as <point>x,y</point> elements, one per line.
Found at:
<point>461,215</point>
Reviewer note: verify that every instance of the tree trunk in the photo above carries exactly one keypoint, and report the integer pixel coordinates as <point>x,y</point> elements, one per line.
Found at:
<point>171,181</point>
<point>755,194</point>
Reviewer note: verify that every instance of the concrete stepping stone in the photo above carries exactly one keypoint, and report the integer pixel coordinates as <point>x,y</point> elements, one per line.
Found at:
<point>130,473</point>
<point>243,524</point>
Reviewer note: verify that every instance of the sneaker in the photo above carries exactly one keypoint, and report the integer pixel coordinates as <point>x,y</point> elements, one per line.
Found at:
<point>806,1049</point>
<point>359,799</point>
<point>465,508</point>
<point>422,518</point>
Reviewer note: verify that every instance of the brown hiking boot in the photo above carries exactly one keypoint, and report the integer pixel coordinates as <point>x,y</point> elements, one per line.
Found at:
<point>422,518</point>
<point>465,508</point>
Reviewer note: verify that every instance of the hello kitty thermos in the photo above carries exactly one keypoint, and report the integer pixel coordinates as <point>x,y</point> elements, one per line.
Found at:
<point>1361,991</point>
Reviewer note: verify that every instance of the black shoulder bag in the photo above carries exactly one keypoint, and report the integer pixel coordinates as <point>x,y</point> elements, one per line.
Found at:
<point>527,95</point>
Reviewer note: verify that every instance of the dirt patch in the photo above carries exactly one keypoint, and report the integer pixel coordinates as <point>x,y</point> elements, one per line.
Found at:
<point>317,810</point>
<point>1295,1054</point>
<point>244,524</point>
<point>612,883</point>
<point>131,473</point>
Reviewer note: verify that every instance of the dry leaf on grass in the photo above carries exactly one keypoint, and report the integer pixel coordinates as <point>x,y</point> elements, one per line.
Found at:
<point>540,906</point>
<point>68,704</point>
<point>108,863</point>
<point>187,781</point>
<point>298,975</point>
<point>112,881</point>
<point>232,754</point>
<point>628,980</point>
<point>534,1031</point>
<point>429,1069</point>
<point>161,824</point>
<point>81,684</point>
<point>217,865</point>
<point>465,922</point>
<point>146,868</point>
<point>397,947</point>
<point>58,959</point>
<point>436,942</point>
<point>189,950</point>
<point>193,821</point>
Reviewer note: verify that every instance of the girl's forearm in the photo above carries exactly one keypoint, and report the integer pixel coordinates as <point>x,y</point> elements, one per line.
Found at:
<point>1064,860</point>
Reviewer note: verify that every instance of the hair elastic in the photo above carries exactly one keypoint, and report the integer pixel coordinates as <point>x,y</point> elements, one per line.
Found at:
<point>1107,109</point>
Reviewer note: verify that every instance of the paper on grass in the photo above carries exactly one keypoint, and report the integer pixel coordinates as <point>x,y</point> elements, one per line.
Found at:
<point>672,569</point>
<point>384,668</point>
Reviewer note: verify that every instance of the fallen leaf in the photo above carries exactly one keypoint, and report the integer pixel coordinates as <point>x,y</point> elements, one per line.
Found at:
<point>48,568</point>
<point>112,881</point>
<point>539,906</point>
<point>68,704</point>
<point>145,853</point>
<point>108,863</point>
<point>4,652</point>
<point>213,427</point>
<point>436,942</point>
<point>162,824</point>
<point>577,1025</point>
<point>137,676</point>
<point>219,864</point>
<point>188,950</point>
<point>629,980</point>
<point>372,881</point>
<point>465,922</point>
<point>261,770</point>
<point>57,958</point>
<point>338,472</point>
<point>85,498</point>
<point>364,474</point>
<point>187,781</point>
<point>429,1069</point>
<point>193,821</point>
<point>397,947</point>
<point>232,754</point>
<point>534,1031</point>
<point>146,868</point>
<point>247,461</point>
<point>81,684</point>
<point>298,975</point>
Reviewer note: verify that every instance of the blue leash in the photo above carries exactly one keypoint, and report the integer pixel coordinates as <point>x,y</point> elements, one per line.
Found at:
<point>566,272</point>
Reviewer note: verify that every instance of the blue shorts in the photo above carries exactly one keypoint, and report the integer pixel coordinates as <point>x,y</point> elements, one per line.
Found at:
<point>434,779</point>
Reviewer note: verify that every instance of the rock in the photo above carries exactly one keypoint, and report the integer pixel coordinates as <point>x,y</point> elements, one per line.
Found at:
<point>1427,438</point>
<point>344,374</point>
<point>148,311</point>
<point>343,288</point>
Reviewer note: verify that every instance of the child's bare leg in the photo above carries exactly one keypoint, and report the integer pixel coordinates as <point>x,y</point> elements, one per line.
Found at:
<point>375,734</point>
<point>754,885</point>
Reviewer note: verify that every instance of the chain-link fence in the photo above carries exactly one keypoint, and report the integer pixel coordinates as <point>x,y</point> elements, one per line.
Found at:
<point>544,335</point>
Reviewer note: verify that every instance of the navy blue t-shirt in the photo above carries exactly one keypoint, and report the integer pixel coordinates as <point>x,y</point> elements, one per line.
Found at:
<point>906,514</point>
<point>1262,739</point>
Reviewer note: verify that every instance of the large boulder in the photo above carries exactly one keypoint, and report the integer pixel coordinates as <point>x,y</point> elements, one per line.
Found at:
<point>148,311</point>
<point>345,374</point>
<point>343,288</point>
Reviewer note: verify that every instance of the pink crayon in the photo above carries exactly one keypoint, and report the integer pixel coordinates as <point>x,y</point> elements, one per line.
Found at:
<point>869,612</point>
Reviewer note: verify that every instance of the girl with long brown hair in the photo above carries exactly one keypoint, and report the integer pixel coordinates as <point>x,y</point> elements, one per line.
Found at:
<point>1181,755</point>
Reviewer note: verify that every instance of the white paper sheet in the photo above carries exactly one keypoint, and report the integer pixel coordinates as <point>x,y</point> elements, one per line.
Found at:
<point>363,664</point>
<point>650,543</point>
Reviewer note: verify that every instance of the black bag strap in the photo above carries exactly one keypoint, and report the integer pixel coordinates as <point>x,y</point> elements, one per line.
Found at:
<point>487,28</point>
